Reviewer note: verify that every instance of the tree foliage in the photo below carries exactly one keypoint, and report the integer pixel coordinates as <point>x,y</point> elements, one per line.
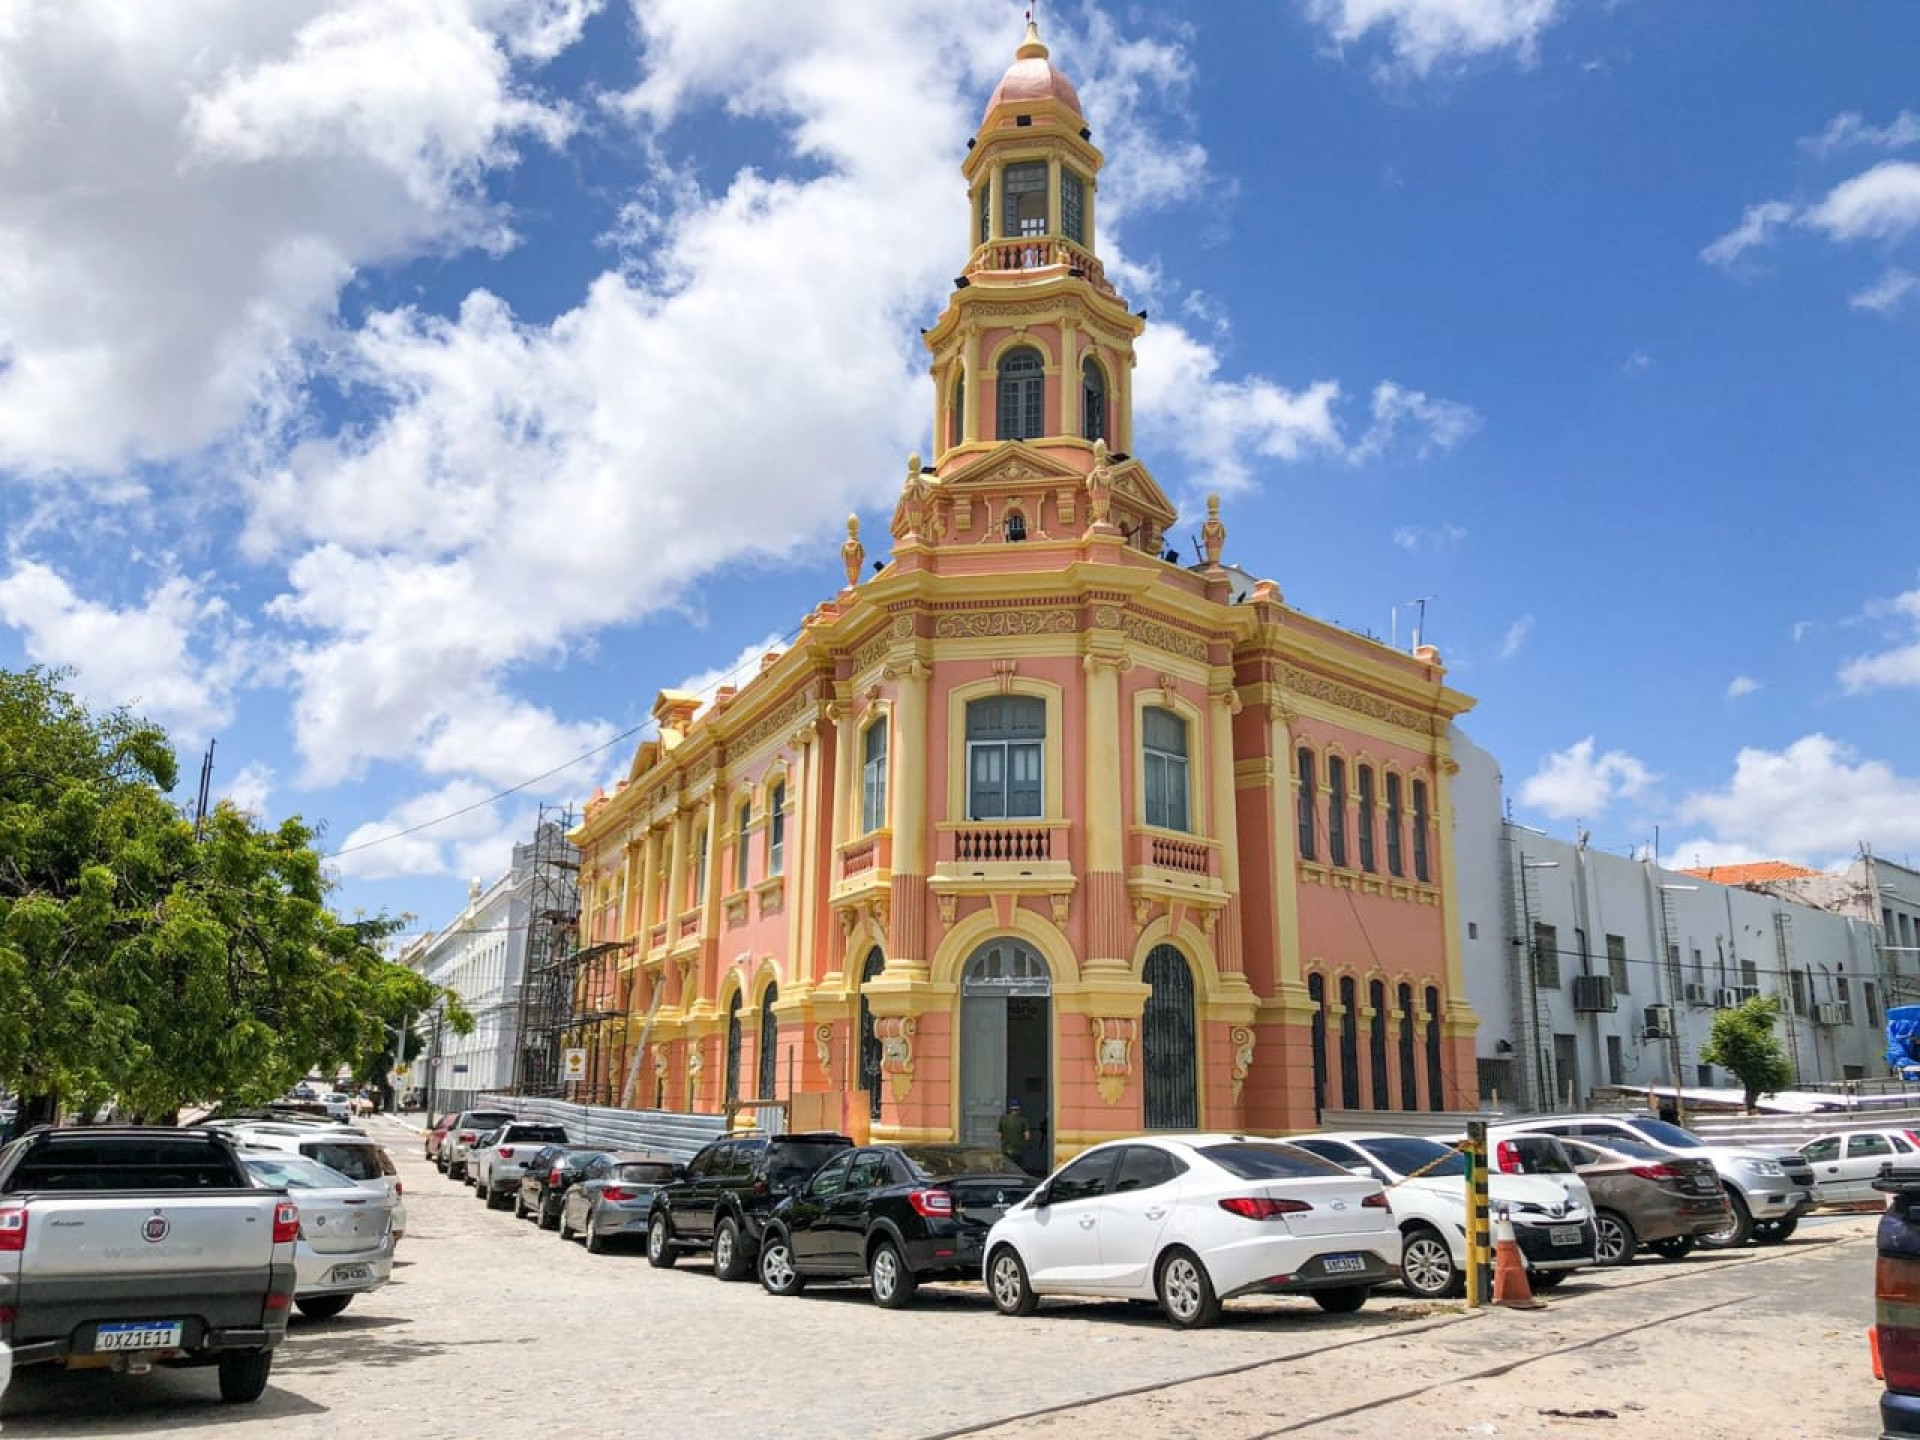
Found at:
<point>141,963</point>
<point>1743,1041</point>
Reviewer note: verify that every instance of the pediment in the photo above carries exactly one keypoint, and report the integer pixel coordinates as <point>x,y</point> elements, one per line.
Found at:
<point>1011,463</point>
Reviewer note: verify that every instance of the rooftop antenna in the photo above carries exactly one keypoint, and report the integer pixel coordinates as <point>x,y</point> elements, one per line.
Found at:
<point>1420,624</point>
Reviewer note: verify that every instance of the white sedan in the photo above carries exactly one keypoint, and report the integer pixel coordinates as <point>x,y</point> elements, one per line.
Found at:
<point>345,1246</point>
<point>1844,1166</point>
<point>1191,1221</point>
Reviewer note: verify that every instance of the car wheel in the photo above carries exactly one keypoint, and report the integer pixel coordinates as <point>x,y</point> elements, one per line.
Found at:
<point>566,1230</point>
<point>660,1252</point>
<point>1774,1232</point>
<point>1615,1242</point>
<point>777,1273</point>
<point>519,1204</point>
<point>729,1255</point>
<point>1737,1231</point>
<point>454,1172</point>
<point>1426,1265</point>
<point>1186,1293</point>
<point>1344,1301</point>
<point>323,1307</point>
<point>547,1217</point>
<point>893,1282</point>
<point>1007,1281</point>
<point>243,1375</point>
<point>1674,1247</point>
<point>1546,1279</point>
<point>482,1192</point>
<point>596,1242</point>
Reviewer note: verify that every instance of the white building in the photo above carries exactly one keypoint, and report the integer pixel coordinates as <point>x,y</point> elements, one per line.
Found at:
<point>1588,968</point>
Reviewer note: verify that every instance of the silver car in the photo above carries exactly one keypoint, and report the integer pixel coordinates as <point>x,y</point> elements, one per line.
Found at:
<point>499,1158</point>
<point>614,1197</point>
<point>345,1246</point>
<point>362,1160</point>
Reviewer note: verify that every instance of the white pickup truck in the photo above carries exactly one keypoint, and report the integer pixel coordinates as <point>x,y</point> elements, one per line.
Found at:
<point>124,1247</point>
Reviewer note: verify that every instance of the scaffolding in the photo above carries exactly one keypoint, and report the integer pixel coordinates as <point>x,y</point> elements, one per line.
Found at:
<point>553,925</point>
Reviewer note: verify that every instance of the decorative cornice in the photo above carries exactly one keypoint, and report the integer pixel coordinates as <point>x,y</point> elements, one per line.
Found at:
<point>1004,620</point>
<point>1332,692</point>
<point>1145,630</point>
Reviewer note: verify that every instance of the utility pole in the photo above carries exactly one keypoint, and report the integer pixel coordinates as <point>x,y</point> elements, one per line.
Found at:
<point>206,785</point>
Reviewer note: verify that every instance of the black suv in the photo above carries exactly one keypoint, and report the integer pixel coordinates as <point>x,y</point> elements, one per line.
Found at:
<point>731,1187</point>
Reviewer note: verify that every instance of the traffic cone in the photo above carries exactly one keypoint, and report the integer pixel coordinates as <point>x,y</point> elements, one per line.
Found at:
<point>1510,1287</point>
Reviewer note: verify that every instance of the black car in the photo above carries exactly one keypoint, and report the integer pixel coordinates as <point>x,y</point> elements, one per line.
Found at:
<point>730,1188</point>
<point>550,1173</point>
<point>893,1214</point>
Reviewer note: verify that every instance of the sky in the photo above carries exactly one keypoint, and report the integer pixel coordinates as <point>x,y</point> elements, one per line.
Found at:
<point>399,393</point>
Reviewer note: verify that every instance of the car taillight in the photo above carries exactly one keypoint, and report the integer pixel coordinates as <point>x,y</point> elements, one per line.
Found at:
<point>1896,1293</point>
<point>13,1228</point>
<point>553,1176</point>
<point>506,1152</point>
<point>286,1222</point>
<point>279,1302</point>
<point>931,1203</point>
<point>1375,1201</point>
<point>1260,1207</point>
<point>1655,1171</point>
<point>398,1188</point>
<point>1506,1158</point>
<point>760,1187</point>
<point>467,1137</point>
<point>617,1194</point>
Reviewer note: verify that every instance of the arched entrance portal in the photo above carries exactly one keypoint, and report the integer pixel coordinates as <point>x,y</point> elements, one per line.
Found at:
<point>869,1042</point>
<point>1167,1043</point>
<point>1006,1046</point>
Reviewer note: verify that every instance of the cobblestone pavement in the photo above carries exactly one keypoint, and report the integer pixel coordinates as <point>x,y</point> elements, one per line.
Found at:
<point>492,1327</point>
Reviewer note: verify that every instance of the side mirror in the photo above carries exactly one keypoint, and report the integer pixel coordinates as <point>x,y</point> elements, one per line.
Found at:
<point>679,1172</point>
<point>1043,1197</point>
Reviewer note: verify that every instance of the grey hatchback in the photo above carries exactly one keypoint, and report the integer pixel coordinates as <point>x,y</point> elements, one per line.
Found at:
<point>614,1197</point>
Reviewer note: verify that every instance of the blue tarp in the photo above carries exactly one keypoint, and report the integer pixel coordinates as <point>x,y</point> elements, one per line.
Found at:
<point>1903,1029</point>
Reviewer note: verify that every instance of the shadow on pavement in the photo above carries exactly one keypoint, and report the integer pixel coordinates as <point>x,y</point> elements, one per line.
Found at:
<point>44,1400</point>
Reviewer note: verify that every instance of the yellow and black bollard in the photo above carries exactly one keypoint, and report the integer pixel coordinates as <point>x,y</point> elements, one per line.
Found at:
<point>1479,1275</point>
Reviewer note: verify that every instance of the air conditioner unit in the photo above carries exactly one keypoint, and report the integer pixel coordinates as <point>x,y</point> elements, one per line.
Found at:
<point>1725,999</point>
<point>1744,993</point>
<point>1829,1014</point>
<point>1593,994</point>
<point>1694,994</point>
<point>1659,1020</point>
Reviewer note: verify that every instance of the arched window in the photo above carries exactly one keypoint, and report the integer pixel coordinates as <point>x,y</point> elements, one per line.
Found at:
<point>1421,870</point>
<point>1436,1084</point>
<point>1349,1045</point>
<point>1363,779</point>
<point>1164,741</point>
<point>1006,750</point>
<point>733,1048</point>
<point>1317,992</point>
<point>1305,802</point>
<point>1377,1045</point>
<point>1336,810</point>
<point>699,896</point>
<point>1015,529</point>
<point>957,411</point>
<point>873,777</point>
<point>869,1076</point>
<point>743,821</point>
<point>1409,1053</point>
<point>1022,397</point>
<point>1023,201</point>
<point>1396,864</point>
<point>769,1043</point>
<point>1167,1042</point>
<point>777,829</point>
<point>1093,400</point>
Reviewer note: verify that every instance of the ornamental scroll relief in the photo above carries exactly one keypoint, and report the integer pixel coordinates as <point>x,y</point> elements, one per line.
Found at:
<point>1318,687</point>
<point>895,1034</point>
<point>1164,637</point>
<point>869,653</point>
<point>1112,1055</point>
<point>987,623</point>
<point>1241,1037</point>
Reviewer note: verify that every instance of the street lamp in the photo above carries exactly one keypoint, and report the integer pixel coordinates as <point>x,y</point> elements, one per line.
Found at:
<point>1671,960</point>
<point>1540,1082</point>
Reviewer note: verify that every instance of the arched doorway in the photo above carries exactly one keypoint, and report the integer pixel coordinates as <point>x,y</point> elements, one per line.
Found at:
<point>869,1042</point>
<point>1006,1045</point>
<point>733,1048</point>
<point>1167,1044</point>
<point>769,1043</point>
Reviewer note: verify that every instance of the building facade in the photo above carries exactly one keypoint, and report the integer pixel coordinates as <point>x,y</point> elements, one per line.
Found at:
<point>1037,813</point>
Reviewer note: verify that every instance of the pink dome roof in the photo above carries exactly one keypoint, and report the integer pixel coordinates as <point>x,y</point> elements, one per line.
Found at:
<point>1033,77</point>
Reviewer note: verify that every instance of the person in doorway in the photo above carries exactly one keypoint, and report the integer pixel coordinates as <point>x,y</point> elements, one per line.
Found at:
<point>1014,1131</point>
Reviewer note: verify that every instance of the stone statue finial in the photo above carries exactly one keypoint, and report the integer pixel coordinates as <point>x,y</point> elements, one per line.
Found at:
<point>910,515</point>
<point>852,553</point>
<point>913,463</point>
<point>1100,489</point>
<point>1213,535</point>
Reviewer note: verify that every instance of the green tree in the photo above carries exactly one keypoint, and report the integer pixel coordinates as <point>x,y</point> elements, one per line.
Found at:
<point>142,963</point>
<point>1743,1041</point>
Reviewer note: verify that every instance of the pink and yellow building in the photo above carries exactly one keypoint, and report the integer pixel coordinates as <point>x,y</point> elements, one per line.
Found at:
<point>1034,812</point>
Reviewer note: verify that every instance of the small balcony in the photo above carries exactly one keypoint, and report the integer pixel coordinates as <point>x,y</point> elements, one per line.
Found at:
<point>1025,254</point>
<point>1011,844</point>
<point>867,853</point>
<point>689,923</point>
<point>1168,864</point>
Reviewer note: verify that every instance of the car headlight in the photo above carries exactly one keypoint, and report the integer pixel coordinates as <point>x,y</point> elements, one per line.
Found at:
<point>1527,1207</point>
<point>1765,1167</point>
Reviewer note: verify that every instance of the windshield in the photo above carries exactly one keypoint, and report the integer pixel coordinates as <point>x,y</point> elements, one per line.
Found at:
<point>1269,1162</point>
<point>486,1119</point>
<point>933,1162</point>
<point>647,1172</point>
<point>797,1159</point>
<point>1632,1149</point>
<point>357,1162</point>
<point>1663,1133</point>
<point>1404,1154</point>
<point>553,1134</point>
<point>296,1172</point>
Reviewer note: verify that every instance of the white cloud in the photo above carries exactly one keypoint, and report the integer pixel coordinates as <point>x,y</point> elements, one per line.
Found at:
<point>250,788</point>
<point>1894,668</point>
<point>1878,204</point>
<point>735,672</point>
<point>1516,637</point>
<point>1428,35</point>
<point>141,656</point>
<point>1800,630</point>
<point>1811,802</point>
<point>1637,362</point>
<point>1756,227</point>
<point>1887,293</point>
<point>1850,129</point>
<point>185,190</point>
<point>1703,854</point>
<point>1577,782</point>
<point>1436,539</point>
<point>378,850</point>
<point>1741,686</point>
<point>1438,424</point>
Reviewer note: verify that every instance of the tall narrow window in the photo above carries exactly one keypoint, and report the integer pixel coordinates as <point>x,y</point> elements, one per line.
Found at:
<point>1409,1055</point>
<point>1349,1045</point>
<point>1436,1078</point>
<point>1363,778</point>
<point>1023,205</point>
<point>699,896</point>
<point>1546,956</point>
<point>733,1048</point>
<point>1617,963</point>
<point>1022,395</point>
<point>1093,400</point>
<point>769,1043</point>
<point>1421,870</point>
<point>743,822</point>
<point>1305,803</point>
<point>1377,1045</point>
<point>1073,207</point>
<point>1396,864</point>
<point>1336,810</point>
<point>957,411</point>
<point>873,778</point>
<point>777,830</point>
<point>986,212</point>
<point>1164,739</point>
<point>1006,744</point>
<point>1317,993</point>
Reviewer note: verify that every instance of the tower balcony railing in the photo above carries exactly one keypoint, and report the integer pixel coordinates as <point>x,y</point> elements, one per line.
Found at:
<point>1027,254</point>
<point>1003,842</point>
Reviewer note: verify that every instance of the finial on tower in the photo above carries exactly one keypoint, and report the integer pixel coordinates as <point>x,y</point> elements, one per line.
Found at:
<point>852,553</point>
<point>1033,47</point>
<point>1213,534</point>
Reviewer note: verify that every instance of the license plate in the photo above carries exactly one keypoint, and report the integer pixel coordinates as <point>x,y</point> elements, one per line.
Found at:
<point>1565,1235</point>
<point>137,1335</point>
<point>1344,1264</point>
<point>347,1274</point>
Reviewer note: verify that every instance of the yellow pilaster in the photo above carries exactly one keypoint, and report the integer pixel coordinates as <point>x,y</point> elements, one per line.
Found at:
<point>1071,415</point>
<point>799,861</point>
<point>1104,770</point>
<point>1221,823</point>
<point>649,863</point>
<point>678,843</point>
<point>970,358</point>
<point>844,799</point>
<point>1053,196</point>
<point>907,754</point>
<point>994,226</point>
<point>1285,852</point>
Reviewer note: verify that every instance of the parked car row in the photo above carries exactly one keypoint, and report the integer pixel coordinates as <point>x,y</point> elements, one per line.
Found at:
<point>1186,1222</point>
